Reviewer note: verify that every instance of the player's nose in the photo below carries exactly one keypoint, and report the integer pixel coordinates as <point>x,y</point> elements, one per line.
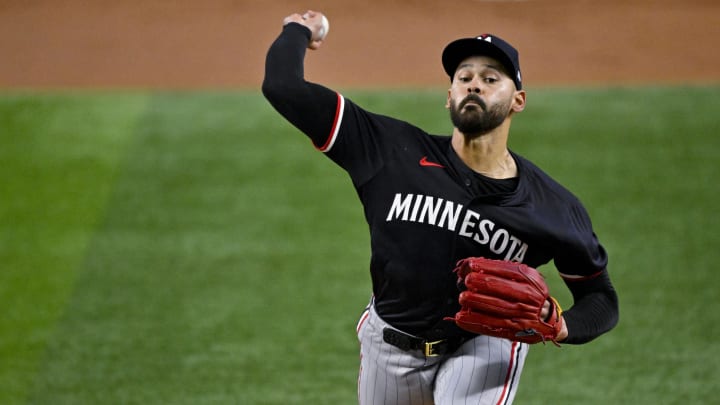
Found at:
<point>474,87</point>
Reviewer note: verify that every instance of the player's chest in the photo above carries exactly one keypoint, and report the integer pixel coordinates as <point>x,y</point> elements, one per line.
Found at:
<point>436,205</point>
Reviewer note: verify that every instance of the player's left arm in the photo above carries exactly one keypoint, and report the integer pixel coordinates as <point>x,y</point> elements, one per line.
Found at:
<point>582,264</point>
<point>595,309</point>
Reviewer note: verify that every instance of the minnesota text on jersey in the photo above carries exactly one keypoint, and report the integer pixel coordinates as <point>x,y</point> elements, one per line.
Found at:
<point>446,214</point>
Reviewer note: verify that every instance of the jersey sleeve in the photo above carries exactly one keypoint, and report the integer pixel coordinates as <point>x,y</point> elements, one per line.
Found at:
<point>352,137</point>
<point>582,262</point>
<point>364,141</point>
<point>580,255</point>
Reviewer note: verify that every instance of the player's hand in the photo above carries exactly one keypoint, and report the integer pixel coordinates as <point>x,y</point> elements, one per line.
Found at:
<point>546,312</point>
<point>313,21</point>
<point>563,334</point>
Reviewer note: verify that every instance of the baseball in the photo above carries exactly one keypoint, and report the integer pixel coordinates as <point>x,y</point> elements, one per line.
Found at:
<point>325,28</point>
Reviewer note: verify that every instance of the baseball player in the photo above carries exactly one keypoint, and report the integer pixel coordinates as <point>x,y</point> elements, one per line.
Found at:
<point>454,222</point>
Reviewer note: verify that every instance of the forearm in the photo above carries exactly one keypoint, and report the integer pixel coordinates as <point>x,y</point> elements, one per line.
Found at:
<point>595,309</point>
<point>308,106</point>
<point>284,64</point>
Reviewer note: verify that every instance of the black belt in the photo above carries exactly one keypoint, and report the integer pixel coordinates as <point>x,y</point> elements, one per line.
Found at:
<point>433,348</point>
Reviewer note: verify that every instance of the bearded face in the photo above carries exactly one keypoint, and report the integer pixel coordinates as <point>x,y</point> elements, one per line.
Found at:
<point>473,117</point>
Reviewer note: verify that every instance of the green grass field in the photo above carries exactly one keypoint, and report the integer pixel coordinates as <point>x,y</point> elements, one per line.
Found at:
<point>193,248</point>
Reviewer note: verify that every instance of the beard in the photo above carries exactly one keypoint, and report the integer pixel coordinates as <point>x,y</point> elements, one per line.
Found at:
<point>479,119</point>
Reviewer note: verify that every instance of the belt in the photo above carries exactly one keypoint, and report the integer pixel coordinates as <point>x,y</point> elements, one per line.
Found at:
<point>406,342</point>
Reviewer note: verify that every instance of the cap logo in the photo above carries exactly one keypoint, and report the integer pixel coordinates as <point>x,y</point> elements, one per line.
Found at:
<point>485,38</point>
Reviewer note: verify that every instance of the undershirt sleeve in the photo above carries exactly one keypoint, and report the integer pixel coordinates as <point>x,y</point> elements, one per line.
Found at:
<point>310,107</point>
<point>595,309</point>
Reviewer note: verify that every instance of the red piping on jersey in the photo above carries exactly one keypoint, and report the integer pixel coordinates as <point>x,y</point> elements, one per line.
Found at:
<point>572,278</point>
<point>336,125</point>
<point>510,374</point>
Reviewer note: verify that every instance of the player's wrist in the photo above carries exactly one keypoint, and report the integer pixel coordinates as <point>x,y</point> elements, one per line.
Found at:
<point>556,311</point>
<point>563,333</point>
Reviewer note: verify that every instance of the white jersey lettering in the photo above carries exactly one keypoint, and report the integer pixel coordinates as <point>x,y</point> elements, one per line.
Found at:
<point>426,209</point>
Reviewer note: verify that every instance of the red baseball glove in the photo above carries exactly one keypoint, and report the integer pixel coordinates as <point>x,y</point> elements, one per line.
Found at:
<point>505,299</point>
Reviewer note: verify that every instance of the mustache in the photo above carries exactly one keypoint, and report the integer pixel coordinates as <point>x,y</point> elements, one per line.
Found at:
<point>475,99</point>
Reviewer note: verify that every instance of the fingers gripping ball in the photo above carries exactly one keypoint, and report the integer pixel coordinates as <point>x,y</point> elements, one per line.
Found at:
<point>324,28</point>
<point>505,299</point>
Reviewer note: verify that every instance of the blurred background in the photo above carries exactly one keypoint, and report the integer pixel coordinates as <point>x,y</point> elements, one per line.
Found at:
<point>222,43</point>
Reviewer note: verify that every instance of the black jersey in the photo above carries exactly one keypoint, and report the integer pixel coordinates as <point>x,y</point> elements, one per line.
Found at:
<point>425,208</point>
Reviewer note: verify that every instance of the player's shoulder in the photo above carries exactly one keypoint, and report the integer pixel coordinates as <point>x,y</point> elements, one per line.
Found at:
<point>378,120</point>
<point>539,180</point>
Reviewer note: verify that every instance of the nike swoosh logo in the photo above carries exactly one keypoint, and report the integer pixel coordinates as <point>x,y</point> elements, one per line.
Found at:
<point>425,162</point>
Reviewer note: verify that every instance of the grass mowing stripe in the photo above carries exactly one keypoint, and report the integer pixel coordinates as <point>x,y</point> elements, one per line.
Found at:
<point>58,154</point>
<point>195,289</point>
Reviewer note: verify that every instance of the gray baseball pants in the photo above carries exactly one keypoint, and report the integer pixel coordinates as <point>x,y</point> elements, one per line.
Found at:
<point>483,370</point>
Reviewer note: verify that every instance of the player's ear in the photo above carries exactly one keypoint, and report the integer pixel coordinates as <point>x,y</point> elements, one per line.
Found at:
<point>447,102</point>
<point>519,101</point>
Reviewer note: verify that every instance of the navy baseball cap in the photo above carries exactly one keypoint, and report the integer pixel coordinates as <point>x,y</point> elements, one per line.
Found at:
<point>486,45</point>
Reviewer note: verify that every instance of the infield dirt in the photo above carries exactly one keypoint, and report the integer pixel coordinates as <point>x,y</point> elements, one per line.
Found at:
<point>222,44</point>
